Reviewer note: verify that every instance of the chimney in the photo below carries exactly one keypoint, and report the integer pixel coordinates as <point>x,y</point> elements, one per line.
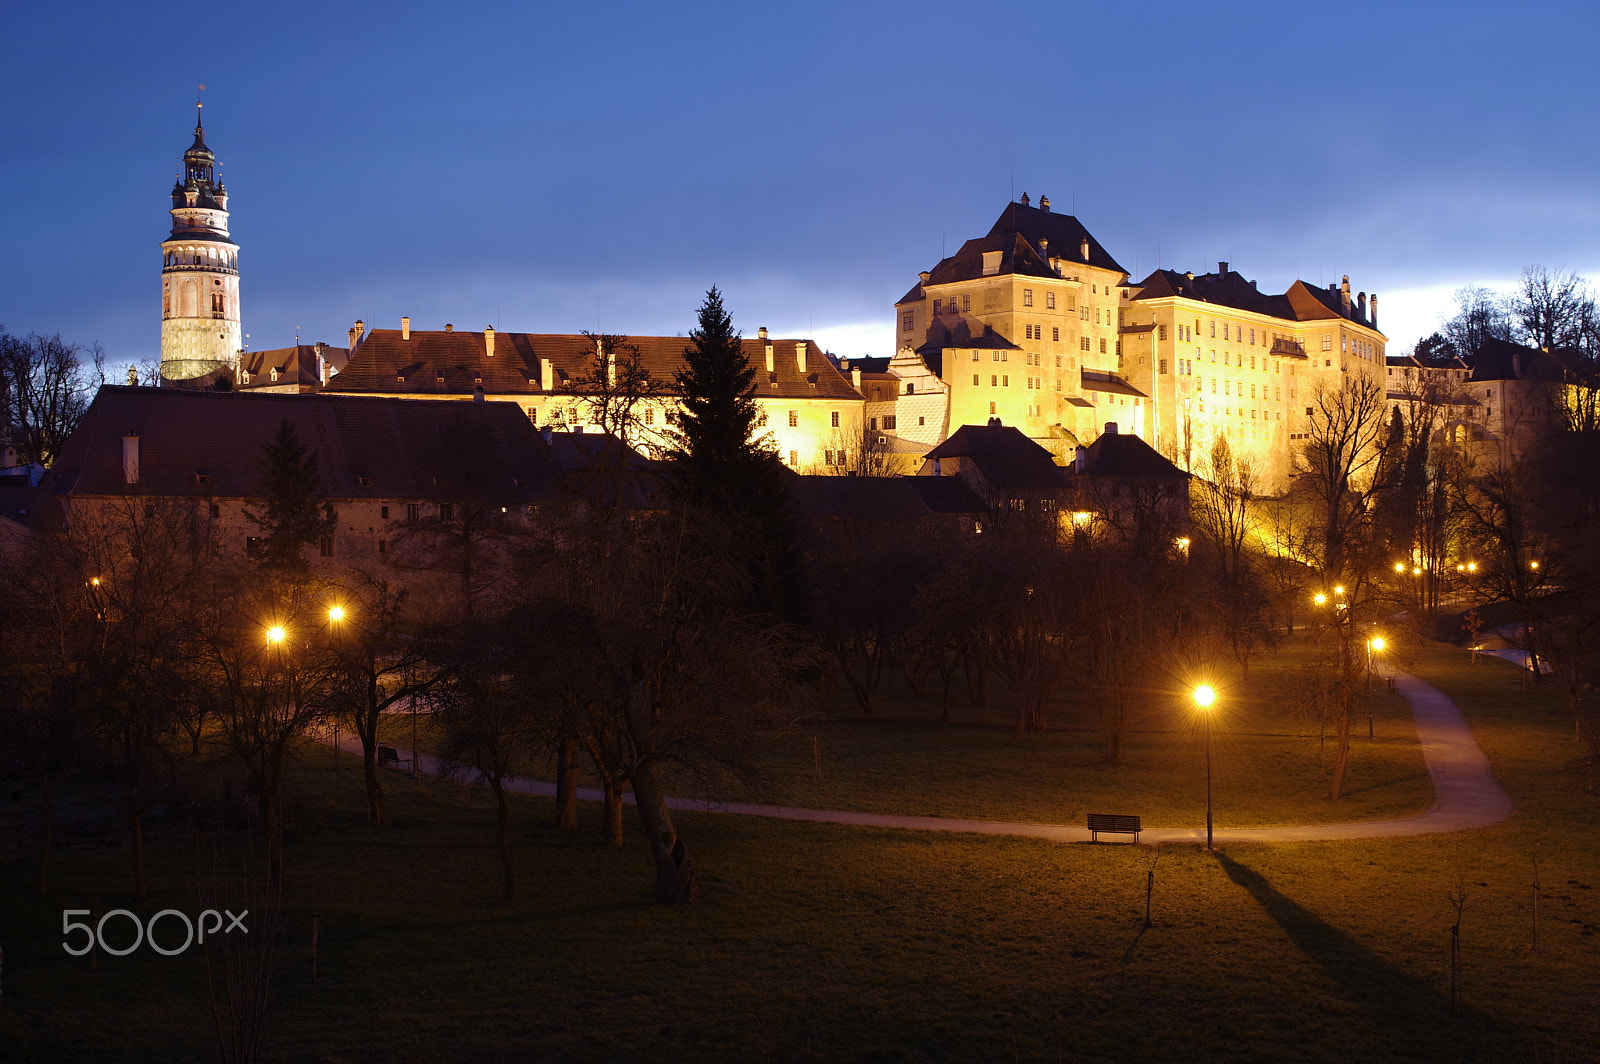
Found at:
<point>923,276</point>
<point>1372,310</point>
<point>1344,294</point>
<point>1111,428</point>
<point>548,433</point>
<point>1190,275</point>
<point>1222,269</point>
<point>855,378</point>
<point>488,340</point>
<point>762,332</point>
<point>1361,304</point>
<point>1044,248</point>
<point>449,328</point>
<point>321,351</point>
<point>130,458</point>
<point>1083,249</point>
<point>1044,204</point>
<point>771,364</point>
<point>405,328</point>
<point>800,354</point>
<point>547,375</point>
<point>1024,199</point>
<point>1080,458</point>
<point>356,332</point>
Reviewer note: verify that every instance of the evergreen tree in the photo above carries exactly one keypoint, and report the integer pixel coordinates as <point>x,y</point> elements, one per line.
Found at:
<point>293,512</point>
<point>724,463</point>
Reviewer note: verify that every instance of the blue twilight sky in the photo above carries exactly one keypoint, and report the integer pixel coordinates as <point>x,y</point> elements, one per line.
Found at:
<point>552,167</point>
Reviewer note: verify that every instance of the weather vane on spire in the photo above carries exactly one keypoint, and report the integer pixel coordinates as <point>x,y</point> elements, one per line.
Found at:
<point>198,124</point>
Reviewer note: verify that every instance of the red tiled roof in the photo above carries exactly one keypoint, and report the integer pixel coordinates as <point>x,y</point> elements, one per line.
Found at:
<point>383,362</point>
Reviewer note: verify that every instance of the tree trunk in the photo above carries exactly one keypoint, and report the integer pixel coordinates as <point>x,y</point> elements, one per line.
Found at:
<point>1112,718</point>
<point>612,829</point>
<point>503,835</point>
<point>1341,759</point>
<point>676,883</point>
<point>566,784</point>
<point>377,804</point>
<point>675,876</point>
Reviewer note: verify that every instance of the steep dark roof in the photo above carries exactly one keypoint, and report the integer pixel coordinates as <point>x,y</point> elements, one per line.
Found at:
<point>1027,238</point>
<point>1302,302</point>
<point>295,365</point>
<point>1120,454</point>
<point>385,363</point>
<point>367,447</point>
<point>1005,458</point>
<point>1064,233</point>
<point>1502,360</point>
<point>866,364</point>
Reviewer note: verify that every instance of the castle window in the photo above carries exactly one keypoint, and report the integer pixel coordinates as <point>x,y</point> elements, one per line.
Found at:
<point>994,380</point>
<point>833,418</point>
<point>974,356</point>
<point>794,458</point>
<point>1050,301</point>
<point>649,415</point>
<point>383,512</point>
<point>383,546</point>
<point>1005,381</point>
<point>325,546</point>
<point>794,419</point>
<point>413,511</point>
<point>1102,345</point>
<point>906,321</point>
<point>1055,334</point>
<point>937,304</point>
<point>447,511</point>
<point>911,387</point>
<point>1327,343</point>
<point>889,422</point>
<point>1027,297</point>
<point>216,511</point>
<point>966,302</point>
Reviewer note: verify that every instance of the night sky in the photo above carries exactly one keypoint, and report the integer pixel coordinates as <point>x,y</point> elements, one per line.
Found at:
<point>555,167</point>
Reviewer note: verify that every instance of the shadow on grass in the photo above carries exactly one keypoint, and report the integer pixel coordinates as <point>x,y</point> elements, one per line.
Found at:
<point>1407,1011</point>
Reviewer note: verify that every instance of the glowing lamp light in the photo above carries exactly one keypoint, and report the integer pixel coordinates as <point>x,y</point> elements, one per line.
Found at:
<point>1337,590</point>
<point>1204,695</point>
<point>1377,642</point>
<point>1320,599</point>
<point>1416,571</point>
<point>1399,567</point>
<point>94,581</point>
<point>1081,517</point>
<point>275,634</point>
<point>1533,565</point>
<point>336,613</point>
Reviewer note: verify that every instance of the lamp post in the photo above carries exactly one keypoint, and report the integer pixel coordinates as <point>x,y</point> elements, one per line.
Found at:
<point>1374,645</point>
<point>1204,696</point>
<point>335,615</point>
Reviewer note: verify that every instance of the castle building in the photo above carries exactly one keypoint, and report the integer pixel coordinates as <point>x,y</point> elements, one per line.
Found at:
<point>200,331</point>
<point>1037,325</point>
<point>812,410</point>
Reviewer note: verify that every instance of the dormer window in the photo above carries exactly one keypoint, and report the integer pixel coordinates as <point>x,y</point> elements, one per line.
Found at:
<point>991,262</point>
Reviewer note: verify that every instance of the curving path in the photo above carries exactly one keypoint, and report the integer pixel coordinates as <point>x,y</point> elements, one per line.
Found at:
<point>1466,794</point>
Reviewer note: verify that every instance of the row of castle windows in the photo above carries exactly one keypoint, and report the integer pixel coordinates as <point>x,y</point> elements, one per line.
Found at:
<point>201,257</point>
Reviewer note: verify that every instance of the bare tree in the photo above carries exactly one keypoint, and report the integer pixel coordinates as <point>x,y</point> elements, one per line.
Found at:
<point>1342,458</point>
<point>1552,310</point>
<point>1480,315</point>
<point>45,388</point>
<point>619,394</point>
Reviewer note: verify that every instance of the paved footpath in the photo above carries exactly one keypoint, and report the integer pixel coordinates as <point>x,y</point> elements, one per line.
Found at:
<point>1466,794</point>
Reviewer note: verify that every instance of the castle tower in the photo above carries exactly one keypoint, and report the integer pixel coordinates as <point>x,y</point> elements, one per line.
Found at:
<point>199,273</point>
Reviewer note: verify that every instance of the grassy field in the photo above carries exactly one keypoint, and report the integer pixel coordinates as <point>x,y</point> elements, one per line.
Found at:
<point>1268,763</point>
<point>822,942</point>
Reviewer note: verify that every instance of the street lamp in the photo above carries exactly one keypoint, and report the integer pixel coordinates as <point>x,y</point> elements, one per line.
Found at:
<point>1204,696</point>
<point>276,634</point>
<point>335,613</point>
<point>1374,645</point>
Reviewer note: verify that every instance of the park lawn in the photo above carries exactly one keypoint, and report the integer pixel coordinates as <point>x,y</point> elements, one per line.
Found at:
<point>1269,766</point>
<point>824,942</point>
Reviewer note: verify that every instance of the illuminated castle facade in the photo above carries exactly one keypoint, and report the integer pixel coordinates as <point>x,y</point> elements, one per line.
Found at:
<point>200,331</point>
<point>1037,325</point>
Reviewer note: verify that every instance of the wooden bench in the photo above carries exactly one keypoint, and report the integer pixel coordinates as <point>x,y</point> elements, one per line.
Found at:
<point>1112,824</point>
<point>389,757</point>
